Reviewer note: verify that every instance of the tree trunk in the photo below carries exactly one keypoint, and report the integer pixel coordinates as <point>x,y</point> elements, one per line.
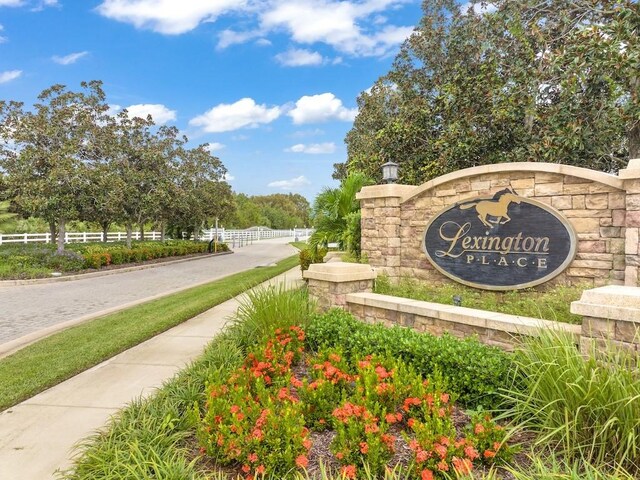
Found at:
<point>633,139</point>
<point>53,231</point>
<point>141,231</point>
<point>105,231</point>
<point>61,234</point>
<point>162,231</point>
<point>129,234</point>
<point>196,231</point>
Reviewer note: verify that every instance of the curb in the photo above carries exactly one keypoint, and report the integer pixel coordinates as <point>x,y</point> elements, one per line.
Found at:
<point>81,276</point>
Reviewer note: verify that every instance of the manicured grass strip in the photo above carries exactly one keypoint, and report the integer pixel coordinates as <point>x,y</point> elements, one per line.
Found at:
<point>63,355</point>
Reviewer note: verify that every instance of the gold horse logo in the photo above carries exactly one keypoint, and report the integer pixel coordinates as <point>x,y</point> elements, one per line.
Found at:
<point>494,208</point>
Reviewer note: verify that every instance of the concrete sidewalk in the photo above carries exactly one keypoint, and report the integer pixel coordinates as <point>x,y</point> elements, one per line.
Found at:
<point>38,435</point>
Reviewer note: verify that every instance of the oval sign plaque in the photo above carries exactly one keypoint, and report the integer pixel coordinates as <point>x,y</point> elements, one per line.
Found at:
<point>504,242</point>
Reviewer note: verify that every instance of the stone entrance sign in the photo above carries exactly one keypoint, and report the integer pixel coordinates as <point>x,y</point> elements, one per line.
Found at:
<point>596,212</point>
<point>500,242</point>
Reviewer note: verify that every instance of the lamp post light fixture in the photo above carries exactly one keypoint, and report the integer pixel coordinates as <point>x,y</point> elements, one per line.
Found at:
<point>390,172</point>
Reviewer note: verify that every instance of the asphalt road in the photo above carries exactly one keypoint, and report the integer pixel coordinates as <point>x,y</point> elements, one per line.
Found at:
<point>26,309</point>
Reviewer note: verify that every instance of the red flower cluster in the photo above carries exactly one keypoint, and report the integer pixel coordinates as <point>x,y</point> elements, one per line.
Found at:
<point>259,418</point>
<point>254,418</point>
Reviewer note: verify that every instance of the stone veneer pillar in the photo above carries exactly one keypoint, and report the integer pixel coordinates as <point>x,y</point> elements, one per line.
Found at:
<point>611,317</point>
<point>381,220</point>
<point>329,283</point>
<point>631,177</point>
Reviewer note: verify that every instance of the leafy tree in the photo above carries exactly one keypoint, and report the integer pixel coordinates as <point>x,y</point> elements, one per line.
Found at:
<point>533,80</point>
<point>333,213</point>
<point>46,163</point>
<point>144,162</point>
<point>200,193</point>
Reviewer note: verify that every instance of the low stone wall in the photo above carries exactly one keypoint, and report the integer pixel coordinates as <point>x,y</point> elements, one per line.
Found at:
<point>329,283</point>
<point>491,328</point>
<point>611,314</point>
<point>611,317</point>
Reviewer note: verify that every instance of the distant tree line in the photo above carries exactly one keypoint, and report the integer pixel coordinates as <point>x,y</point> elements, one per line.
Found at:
<point>502,81</point>
<point>68,158</point>
<point>277,211</point>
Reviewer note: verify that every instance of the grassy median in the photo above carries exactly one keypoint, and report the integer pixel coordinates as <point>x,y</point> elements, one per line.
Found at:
<point>63,355</point>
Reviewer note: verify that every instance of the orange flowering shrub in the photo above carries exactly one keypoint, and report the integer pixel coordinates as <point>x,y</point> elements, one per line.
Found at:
<point>361,438</point>
<point>259,419</point>
<point>488,438</point>
<point>254,419</point>
<point>437,448</point>
<point>328,386</point>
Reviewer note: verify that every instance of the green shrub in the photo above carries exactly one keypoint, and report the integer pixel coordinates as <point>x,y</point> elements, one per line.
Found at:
<point>97,260</point>
<point>309,256</point>
<point>589,406</point>
<point>474,372</point>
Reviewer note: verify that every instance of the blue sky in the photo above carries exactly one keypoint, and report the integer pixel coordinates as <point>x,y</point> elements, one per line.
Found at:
<point>270,84</point>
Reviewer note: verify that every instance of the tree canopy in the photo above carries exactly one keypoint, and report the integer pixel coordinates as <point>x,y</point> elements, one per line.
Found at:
<point>277,211</point>
<point>513,80</point>
<point>68,159</point>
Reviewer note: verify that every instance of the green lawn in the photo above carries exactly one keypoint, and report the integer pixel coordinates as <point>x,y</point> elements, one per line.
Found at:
<point>60,356</point>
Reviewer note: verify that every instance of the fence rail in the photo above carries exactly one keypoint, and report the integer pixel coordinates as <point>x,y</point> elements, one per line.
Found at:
<point>239,237</point>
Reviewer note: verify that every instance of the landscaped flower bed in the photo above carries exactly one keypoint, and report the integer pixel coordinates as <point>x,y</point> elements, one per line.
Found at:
<point>263,420</point>
<point>102,255</point>
<point>19,261</point>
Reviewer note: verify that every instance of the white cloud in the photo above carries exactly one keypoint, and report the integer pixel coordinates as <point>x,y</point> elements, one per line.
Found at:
<point>2,39</point>
<point>313,148</point>
<point>113,109</point>
<point>170,17</point>
<point>69,59</point>
<point>298,57</point>
<point>232,37</point>
<point>215,146</point>
<point>307,133</point>
<point>263,42</point>
<point>321,108</point>
<point>9,75</point>
<point>228,177</point>
<point>293,184</point>
<point>350,26</point>
<point>39,5</point>
<point>158,112</point>
<point>336,23</point>
<point>44,4</point>
<point>228,117</point>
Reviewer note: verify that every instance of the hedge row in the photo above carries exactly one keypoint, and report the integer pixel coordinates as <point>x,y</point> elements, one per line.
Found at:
<point>473,371</point>
<point>101,256</point>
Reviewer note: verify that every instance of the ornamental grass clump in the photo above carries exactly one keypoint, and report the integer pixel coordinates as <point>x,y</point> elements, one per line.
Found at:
<point>589,406</point>
<point>264,310</point>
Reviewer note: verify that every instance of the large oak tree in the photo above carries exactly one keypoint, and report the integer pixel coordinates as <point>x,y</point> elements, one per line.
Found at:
<point>516,80</point>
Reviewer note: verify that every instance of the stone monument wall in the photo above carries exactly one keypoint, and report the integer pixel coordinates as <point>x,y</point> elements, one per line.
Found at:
<point>603,209</point>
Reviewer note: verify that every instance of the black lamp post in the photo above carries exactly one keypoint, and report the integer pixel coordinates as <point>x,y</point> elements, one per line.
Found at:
<point>390,172</point>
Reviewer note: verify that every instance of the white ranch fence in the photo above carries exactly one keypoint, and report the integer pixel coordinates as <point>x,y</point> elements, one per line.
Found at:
<point>235,237</point>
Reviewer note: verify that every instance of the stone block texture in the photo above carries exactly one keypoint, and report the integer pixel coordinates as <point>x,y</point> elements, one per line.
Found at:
<point>606,219</point>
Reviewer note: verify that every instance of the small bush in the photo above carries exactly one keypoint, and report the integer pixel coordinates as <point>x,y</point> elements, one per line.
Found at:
<point>309,256</point>
<point>473,371</point>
